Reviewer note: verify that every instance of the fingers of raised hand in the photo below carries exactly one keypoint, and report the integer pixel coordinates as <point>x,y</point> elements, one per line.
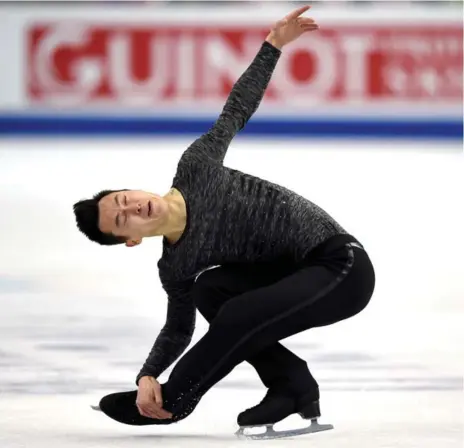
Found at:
<point>307,24</point>
<point>302,22</point>
<point>305,21</point>
<point>296,13</point>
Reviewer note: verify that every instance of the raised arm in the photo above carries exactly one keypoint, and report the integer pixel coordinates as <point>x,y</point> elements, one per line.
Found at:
<point>248,91</point>
<point>243,101</point>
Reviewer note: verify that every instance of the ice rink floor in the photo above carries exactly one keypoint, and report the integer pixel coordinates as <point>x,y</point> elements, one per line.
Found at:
<point>77,320</point>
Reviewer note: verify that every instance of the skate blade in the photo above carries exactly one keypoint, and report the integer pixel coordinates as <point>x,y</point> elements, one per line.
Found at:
<point>271,433</point>
<point>95,408</point>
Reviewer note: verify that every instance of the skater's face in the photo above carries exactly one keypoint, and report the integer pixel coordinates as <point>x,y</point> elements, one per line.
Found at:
<point>132,214</point>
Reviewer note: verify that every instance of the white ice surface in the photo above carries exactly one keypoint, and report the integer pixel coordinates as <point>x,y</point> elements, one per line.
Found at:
<point>77,320</point>
<point>371,420</point>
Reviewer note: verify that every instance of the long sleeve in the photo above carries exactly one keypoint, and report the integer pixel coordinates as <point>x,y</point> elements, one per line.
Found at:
<point>176,334</point>
<point>242,103</point>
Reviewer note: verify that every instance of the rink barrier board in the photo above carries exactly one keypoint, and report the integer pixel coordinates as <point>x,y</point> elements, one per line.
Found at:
<point>80,71</point>
<point>409,128</point>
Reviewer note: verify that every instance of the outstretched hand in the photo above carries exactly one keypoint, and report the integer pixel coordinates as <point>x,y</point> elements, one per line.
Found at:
<point>291,27</point>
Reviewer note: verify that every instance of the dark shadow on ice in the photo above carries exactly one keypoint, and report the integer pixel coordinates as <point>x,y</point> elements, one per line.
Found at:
<point>158,437</point>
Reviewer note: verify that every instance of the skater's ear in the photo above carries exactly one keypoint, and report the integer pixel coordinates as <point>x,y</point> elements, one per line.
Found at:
<point>132,243</point>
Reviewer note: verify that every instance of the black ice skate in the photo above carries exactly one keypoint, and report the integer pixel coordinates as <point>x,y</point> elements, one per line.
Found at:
<point>275,407</point>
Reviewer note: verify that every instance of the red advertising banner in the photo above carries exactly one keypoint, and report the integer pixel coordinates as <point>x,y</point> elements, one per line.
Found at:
<point>86,64</point>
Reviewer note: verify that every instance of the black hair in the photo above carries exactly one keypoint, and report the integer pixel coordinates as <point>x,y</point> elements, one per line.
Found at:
<point>87,215</point>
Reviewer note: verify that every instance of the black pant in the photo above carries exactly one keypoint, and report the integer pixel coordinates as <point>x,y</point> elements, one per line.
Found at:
<point>251,308</point>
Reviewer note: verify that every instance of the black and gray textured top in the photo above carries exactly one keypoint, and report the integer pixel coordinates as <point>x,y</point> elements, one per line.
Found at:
<point>232,217</point>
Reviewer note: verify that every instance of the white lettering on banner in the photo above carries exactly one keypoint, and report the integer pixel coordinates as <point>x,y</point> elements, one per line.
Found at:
<point>184,77</point>
<point>222,62</point>
<point>122,78</point>
<point>138,65</point>
<point>213,62</point>
<point>424,67</point>
<point>356,50</point>
<point>85,74</point>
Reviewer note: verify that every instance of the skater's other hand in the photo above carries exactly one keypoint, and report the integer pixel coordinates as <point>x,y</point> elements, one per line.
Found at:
<point>150,400</point>
<point>291,27</point>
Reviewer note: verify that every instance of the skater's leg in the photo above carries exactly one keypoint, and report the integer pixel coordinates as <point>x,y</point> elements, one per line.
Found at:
<point>276,365</point>
<point>314,296</point>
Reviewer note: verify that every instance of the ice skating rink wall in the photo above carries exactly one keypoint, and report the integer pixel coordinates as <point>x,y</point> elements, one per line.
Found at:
<point>166,69</point>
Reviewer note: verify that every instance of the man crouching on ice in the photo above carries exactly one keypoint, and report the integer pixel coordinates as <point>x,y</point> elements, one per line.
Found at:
<point>282,265</point>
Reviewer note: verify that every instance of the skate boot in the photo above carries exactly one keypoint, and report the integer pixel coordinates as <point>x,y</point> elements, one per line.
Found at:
<point>275,407</point>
